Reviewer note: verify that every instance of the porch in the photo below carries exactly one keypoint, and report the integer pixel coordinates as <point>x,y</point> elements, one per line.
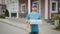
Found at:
<point>26,5</point>
<point>46,8</point>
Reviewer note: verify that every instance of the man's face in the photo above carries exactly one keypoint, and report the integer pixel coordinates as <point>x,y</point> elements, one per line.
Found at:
<point>34,8</point>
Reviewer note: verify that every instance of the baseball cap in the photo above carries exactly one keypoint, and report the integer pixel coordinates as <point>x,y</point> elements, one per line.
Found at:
<point>34,5</point>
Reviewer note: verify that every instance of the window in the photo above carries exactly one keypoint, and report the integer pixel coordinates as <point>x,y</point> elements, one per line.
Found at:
<point>23,7</point>
<point>3,1</point>
<point>54,7</point>
<point>13,14</point>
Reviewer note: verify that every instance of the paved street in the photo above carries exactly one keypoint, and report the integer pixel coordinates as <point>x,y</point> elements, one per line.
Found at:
<point>9,29</point>
<point>18,26</point>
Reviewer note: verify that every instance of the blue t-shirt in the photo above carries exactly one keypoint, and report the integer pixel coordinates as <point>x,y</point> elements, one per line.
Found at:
<point>34,27</point>
<point>34,16</point>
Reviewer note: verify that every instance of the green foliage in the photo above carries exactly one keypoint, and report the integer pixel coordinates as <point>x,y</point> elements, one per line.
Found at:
<point>2,16</point>
<point>56,17</point>
<point>57,28</point>
<point>6,13</point>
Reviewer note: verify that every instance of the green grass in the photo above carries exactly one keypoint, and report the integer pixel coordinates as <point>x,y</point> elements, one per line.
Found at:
<point>57,28</point>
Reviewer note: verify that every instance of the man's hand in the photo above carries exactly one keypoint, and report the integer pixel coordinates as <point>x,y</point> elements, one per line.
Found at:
<point>28,22</point>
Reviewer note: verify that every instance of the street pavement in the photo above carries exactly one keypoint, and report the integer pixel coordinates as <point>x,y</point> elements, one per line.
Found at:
<point>9,29</point>
<point>20,26</point>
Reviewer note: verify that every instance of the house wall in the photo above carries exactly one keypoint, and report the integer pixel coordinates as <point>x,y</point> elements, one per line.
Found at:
<point>0,1</point>
<point>50,15</point>
<point>59,6</point>
<point>42,8</point>
<point>26,11</point>
<point>2,7</point>
<point>12,6</point>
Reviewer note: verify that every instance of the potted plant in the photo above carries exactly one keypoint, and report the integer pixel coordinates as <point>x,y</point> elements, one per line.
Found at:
<point>56,18</point>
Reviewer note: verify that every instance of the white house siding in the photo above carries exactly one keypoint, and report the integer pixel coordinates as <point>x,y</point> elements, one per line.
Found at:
<point>0,1</point>
<point>2,4</point>
<point>12,6</point>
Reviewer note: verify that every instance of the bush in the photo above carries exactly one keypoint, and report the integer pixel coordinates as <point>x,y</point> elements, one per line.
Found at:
<point>2,16</point>
<point>6,13</point>
<point>57,28</point>
<point>57,17</point>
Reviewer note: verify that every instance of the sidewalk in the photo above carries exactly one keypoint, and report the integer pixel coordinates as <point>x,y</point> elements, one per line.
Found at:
<point>44,28</point>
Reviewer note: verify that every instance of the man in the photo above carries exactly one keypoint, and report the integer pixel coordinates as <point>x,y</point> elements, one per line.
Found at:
<point>34,16</point>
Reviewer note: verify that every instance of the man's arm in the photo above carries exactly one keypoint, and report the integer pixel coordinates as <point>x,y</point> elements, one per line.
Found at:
<point>27,18</point>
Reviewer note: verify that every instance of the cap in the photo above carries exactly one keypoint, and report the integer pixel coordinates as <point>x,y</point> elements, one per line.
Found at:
<point>34,5</point>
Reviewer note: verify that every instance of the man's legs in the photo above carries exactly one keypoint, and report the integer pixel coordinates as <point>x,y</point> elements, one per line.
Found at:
<point>34,33</point>
<point>34,29</point>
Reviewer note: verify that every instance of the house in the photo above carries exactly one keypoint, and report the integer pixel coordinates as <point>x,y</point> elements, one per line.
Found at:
<point>20,8</point>
<point>46,8</point>
<point>2,6</point>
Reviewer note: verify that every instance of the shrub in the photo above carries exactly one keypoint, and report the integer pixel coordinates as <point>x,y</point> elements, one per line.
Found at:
<point>2,16</point>
<point>57,17</point>
<point>6,13</point>
<point>57,28</point>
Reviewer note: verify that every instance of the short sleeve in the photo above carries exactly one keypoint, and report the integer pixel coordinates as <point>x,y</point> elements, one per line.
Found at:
<point>40,18</point>
<point>28,17</point>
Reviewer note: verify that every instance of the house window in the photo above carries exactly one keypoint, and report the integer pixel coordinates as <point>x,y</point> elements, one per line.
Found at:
<point>23,7</point>
<point>54,7</point>
<point>13,14</point>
